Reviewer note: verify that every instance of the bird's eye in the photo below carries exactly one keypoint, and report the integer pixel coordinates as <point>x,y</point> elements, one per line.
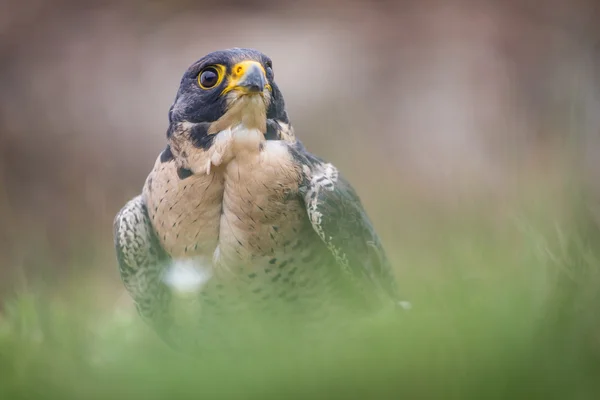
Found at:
<point>208,78</point>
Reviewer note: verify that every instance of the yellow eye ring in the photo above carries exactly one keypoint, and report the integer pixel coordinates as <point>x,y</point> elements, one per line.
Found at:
<point>211,76</point>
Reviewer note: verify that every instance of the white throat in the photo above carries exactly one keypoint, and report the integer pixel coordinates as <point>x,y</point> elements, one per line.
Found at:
<point>237,142</point>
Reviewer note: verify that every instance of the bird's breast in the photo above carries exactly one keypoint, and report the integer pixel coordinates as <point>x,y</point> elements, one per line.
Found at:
<point>244,212</point>
<point>185,212</point>
<point>262,212</point>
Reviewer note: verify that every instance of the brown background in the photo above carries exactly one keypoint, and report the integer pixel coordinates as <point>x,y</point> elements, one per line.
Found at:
<point>428,107</point>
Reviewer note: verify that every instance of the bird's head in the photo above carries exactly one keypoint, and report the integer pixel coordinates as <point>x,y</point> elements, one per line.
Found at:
<point>227,88</point>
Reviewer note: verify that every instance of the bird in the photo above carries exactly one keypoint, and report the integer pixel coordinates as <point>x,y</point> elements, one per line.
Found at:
<point>236,194</point>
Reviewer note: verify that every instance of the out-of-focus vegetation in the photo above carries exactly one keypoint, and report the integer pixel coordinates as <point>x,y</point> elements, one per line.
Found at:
<point>513,318</point>
<point>470,130</point>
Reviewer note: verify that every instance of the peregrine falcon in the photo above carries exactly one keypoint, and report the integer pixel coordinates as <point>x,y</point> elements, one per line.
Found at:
<point>236,194</point>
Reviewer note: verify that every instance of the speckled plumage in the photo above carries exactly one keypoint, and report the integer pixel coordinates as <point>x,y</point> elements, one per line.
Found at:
<point>276,226</point>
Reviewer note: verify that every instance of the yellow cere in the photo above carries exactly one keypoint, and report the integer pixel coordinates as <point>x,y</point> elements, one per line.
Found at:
<point>220,72</point>
<point>239,71</point>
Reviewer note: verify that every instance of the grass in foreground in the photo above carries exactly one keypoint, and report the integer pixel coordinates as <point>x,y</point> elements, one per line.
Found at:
<point>506,317</point>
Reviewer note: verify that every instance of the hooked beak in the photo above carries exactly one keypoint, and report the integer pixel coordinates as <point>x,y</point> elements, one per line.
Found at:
<point>247,77</point>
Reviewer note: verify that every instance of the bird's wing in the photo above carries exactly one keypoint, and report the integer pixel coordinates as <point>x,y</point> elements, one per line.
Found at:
<point>142,261</point>
<point>338,217</point>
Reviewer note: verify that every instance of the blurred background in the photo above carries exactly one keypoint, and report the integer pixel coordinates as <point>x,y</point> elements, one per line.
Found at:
<point>470,129</point>
<point>447,116</point>
<point>429,107</point>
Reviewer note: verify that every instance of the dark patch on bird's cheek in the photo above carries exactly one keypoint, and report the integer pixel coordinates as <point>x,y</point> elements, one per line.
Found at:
<point>277,106</point>
<point>276,112</point>
<point>200,137</point>
<point>272,130</point>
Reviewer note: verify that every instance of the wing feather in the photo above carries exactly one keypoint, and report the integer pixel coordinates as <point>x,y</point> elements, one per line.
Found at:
<point>338,217</point>
<point>141,262</point>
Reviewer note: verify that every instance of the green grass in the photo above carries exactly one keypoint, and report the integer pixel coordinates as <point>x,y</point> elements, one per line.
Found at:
<point>497,313</point>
